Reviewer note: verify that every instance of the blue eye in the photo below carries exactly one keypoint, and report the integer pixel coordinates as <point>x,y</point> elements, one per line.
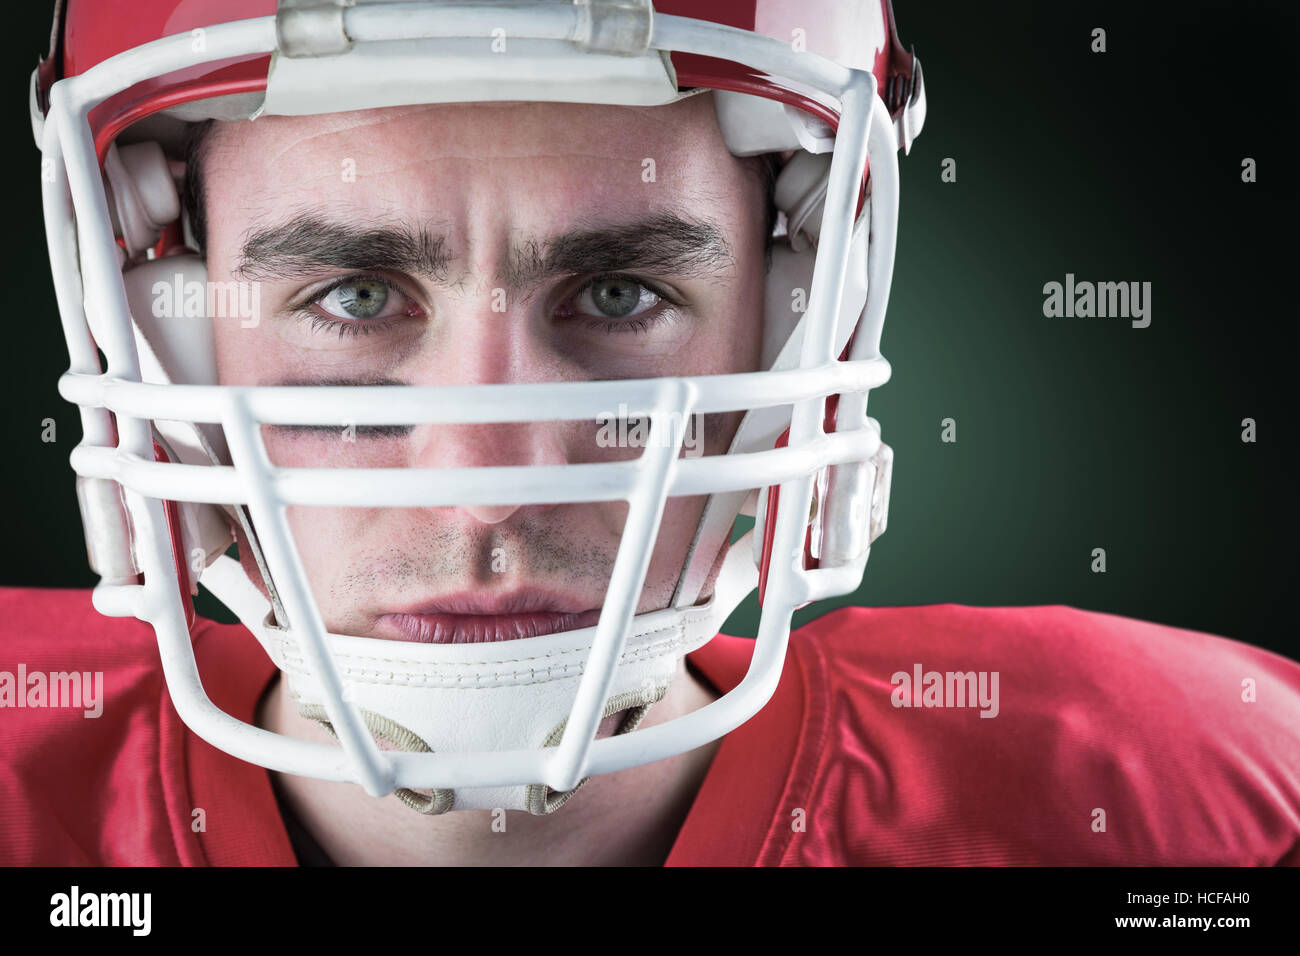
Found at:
<point>615,297</point>
<point>357,304</point>
<point>360,298</point>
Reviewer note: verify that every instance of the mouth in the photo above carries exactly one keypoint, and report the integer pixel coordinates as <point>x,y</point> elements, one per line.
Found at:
<point>480,619</point>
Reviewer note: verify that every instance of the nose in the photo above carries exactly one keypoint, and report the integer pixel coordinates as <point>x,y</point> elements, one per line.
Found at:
<point>489,445</point>
<point>482,347</point>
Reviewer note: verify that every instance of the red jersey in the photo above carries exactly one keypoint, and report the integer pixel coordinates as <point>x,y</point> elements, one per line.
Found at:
<point>917,735</point>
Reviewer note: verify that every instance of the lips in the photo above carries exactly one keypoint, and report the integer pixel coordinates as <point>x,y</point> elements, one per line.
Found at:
<point>480,619</point>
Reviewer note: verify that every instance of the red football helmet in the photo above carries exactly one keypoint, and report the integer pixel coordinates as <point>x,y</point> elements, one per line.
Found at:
<point>171,461</point>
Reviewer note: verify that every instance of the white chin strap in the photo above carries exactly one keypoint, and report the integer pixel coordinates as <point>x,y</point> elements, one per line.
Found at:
<point>497,696</point>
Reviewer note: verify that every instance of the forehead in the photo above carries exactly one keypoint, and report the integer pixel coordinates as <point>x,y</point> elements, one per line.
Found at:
<point>574,156</point>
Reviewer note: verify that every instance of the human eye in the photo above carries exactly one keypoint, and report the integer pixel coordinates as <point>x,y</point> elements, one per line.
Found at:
<point>619,303</point>
<point>357,304</point>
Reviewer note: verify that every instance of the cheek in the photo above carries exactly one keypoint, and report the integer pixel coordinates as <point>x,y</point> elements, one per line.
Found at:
<point>319,536</point>
<point>239,359</point>
<point>675,533</point>
<point>327,540</point>
<point>331,541</point>
<point>344,446</point>
<point>282,349</point>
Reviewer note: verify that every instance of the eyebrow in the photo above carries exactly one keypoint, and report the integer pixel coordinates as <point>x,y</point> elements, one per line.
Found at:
<point>305,245</point>
<point>664,242</point>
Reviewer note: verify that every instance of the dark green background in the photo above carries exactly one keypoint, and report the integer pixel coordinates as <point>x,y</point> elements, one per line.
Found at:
<point>1072,433</point>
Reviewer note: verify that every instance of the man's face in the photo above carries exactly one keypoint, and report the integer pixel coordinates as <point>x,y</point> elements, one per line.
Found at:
<point>465,244</point>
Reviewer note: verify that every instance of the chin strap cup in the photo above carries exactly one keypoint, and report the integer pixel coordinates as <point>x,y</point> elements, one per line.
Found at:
<point>479,698</point>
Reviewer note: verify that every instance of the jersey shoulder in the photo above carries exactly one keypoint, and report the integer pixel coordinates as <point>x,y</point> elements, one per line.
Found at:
<point>96,767</point>
<point>79,695</point>
<point>1048,735</point>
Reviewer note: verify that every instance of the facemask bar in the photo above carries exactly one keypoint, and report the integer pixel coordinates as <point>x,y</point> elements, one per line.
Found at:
<point>80,232</point>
